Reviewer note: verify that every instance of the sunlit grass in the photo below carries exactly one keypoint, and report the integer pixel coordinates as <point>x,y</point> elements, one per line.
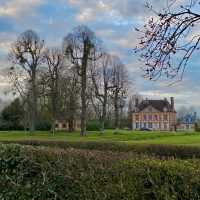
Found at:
<point>109,135</point>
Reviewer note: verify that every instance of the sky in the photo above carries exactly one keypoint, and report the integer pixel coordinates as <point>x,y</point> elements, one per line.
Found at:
<point>113,21</point>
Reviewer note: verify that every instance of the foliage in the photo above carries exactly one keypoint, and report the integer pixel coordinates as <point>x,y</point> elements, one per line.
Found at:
<point>51,173</point>
<point>93,125</point>
<point>12,116</point>
<point>161,151</point>
<point>43,125</point>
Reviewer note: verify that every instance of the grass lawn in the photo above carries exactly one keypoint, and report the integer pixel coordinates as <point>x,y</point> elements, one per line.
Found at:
<point>109,136</point>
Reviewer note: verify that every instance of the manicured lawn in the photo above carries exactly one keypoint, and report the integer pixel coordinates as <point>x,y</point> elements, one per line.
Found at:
<point>121,136</point>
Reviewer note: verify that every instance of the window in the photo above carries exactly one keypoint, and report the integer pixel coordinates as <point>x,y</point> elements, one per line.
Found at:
<point>145,117</point>
<point>137,117</point>
<point>145,125</point>
<point>150,125</point>
<point>165,126</point>
<point>165,117</point>
<point>64,125</point>
<point>150,117</point>
<point>137,125</point>
<point>156,125</point>
<point>56,125</point>
<point>156,117</point>
<point>165,109</point>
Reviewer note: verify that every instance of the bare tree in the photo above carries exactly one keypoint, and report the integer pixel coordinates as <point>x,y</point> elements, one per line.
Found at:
<point>101,74</point>
<point>168,41</point>
<point>120,82</point>
<point>69,94</point>
<point>82,47</point>
<point>54,60</point>
<point>26,57</point>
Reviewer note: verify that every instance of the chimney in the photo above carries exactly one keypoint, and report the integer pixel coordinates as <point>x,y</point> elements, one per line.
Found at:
<point>195,116</point>
<point>136,102</point>
<point>172,103</point>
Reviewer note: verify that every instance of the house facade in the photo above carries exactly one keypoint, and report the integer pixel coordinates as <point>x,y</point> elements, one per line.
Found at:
<point>63,125</point>
<point>154,115</point>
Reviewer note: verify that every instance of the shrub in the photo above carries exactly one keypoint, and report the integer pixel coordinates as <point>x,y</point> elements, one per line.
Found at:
<point>175,151</point>
<point>93,125</point>
<point>52,173</point>
<point>43,125</point>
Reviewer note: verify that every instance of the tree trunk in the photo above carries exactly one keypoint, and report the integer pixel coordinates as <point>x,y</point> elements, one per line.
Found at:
<point>104,113</point>
<point>71,113</point>
<point>33,103</point>
<point>83,102</point>
<point>84,86</point>
<point>121,118</point>
<point>53,126</point>
<point>71,125</point>
<point>116,111</point>
<point>54,107</point>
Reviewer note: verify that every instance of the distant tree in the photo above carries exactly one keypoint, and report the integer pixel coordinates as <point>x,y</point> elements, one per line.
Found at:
<point>102,76</point>
<point>183,111</point>
<point>82,47</point>
<point>70,95</point>
<point>169,40</point>
<point>54,60</point>
<point>26,56</point>
<point>13,115</point>
<point>119,91</point>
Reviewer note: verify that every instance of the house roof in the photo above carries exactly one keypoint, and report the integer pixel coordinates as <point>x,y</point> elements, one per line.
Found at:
<point>160,105</point>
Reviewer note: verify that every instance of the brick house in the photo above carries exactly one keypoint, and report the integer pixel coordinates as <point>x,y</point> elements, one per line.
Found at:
<point>154,115</point>
<point>62,124</point>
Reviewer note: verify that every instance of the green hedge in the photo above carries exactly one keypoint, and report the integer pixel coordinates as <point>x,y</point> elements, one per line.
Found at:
<point>95,125</point>
<point>159,150</point>
<point>49,173</point>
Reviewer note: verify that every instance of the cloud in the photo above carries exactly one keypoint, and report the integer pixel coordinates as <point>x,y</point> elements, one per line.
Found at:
<point>86,15</point>
<point>17,8</point>
<point>6,39</point>
<point>119,11</point>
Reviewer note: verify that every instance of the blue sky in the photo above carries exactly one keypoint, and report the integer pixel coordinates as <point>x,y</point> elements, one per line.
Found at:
<point>112,20</point>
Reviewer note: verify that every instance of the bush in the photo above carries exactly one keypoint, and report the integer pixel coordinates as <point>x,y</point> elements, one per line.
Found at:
<point>93,125</point>
<point>43,125</point>
<point>8,125</point>
<point>175,151</point>
<point>51,173</point>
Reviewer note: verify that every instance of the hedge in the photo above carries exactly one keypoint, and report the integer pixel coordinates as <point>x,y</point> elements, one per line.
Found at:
<point>50,173</point>
<point>160,150</point>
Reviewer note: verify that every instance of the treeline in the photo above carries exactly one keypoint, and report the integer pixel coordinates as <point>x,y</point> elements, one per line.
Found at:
<point>78,80</point>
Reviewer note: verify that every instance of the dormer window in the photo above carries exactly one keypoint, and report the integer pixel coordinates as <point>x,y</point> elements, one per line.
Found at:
<point>150,109</point>
<point>165,109</point>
